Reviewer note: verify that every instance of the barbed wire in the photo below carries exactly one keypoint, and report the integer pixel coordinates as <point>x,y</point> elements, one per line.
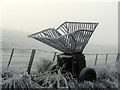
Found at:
<point>57,51</point>
<point>31,49</point>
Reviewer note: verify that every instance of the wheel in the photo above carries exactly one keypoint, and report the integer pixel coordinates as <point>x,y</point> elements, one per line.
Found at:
<point>87,74</point>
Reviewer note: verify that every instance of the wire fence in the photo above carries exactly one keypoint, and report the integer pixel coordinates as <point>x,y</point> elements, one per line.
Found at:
<point>24,59</point>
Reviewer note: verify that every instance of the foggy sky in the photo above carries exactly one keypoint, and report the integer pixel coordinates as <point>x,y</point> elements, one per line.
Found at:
<point>33,16</point>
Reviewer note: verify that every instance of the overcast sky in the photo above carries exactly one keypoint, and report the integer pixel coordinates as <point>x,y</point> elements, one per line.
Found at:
<point>35,16</point>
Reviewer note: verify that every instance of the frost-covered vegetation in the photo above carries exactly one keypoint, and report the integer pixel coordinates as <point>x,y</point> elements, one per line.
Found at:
<point>44,77</point>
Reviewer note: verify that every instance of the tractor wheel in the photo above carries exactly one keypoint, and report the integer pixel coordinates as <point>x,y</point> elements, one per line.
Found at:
<point>87,74</point>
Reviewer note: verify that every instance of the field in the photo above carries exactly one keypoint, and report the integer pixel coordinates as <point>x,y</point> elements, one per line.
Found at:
<point>107,73</point>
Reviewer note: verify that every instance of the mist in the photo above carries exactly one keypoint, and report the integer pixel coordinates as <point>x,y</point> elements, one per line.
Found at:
<point>20,19</point>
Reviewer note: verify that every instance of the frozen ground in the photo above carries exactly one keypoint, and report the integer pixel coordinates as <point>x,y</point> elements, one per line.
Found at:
<point>21,58</point>
<point>107,77</point>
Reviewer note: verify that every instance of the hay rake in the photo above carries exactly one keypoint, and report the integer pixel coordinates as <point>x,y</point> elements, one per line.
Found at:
<point>70,38</point>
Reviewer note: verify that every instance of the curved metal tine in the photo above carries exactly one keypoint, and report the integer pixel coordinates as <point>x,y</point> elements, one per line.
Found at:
<point>95,26</point>
<point>82,26</point>
<point>87,26</point>
<point>44,40</point>
<point>77,36</point>
<point>61,25</point>
<point>68,41</point>
<point>81,39</point>
<point>89,35</point>
<point>86,35</point>
<point>62,40</point>
<point>32,36</point>
<point>90,27</point>
<point>61,44</point>
<point>56,33</point>
<point>70,28</point>
<point>39,35</point>
<point>76,27</point>
<point>51,33</point>
<point>72,42</point>
<point>79,26</point>
<point>48,33</point>
<point>70,38</point>
<point>39,32</point>
<point>77,39</point>
<point>64,27</point>
<point>48,42</point>
<point>86,38</point>
<point>65,41</point>
<point>81,35</point>
<point>58,44</point>
<point>61,31</point>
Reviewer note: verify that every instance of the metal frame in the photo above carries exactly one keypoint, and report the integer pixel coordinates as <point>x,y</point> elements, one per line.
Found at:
<point>69,37</point>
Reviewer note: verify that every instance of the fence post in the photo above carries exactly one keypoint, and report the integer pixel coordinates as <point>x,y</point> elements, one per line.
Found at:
<point>10,58</point>
<point>106,58</point>
<point>31,61</point>
<point>54,56</point>
<point>96,59</point>
<point>118,57</point>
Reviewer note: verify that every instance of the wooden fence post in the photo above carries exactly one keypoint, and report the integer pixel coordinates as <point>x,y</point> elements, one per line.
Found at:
<point>10,58</point>
<point>54,56</point>
<point>96,59</point>
<point>118,57</point>
<point>31,61</point>
<point>106,58</point>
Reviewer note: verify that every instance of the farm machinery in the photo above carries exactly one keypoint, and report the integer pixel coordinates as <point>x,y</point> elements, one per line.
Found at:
<point>70,38</point>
